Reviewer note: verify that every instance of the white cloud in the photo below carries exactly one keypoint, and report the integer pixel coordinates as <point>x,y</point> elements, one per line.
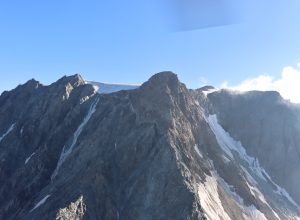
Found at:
<point>288,85</point>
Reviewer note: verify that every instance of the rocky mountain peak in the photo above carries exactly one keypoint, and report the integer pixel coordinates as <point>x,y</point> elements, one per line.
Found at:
<point>158,151</point>
<point>162,80</point>
<point>165,86</point>
<point>206,88</point>
<point>73,80</point>
<point>32,83</point>
<point>67,84</point>
<point>21,92</point>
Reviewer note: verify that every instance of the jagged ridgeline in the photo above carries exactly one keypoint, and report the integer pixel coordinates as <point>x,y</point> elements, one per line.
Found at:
<point>85,150</point>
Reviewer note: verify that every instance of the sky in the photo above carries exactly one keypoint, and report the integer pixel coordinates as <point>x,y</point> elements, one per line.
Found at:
<point>225,43</point>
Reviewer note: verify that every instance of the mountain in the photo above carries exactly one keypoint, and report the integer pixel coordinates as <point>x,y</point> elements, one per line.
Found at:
<point>84,150</point>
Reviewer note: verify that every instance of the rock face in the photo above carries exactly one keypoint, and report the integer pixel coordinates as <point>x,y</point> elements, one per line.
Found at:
<point>75,210</point>
<point>268,127</point>
<point>158,151</point>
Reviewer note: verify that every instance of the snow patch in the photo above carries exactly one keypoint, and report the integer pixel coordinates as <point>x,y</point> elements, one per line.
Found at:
<point>7,132</point>
<point>248,176</point>
<point>257,194</point>
<point>229,145</point>
<point>28,158</point>
<point>104,88</point>
<point>198,152</point>
<point>254,213</point>
<point>206,92</point>
<point>281,191</point>
<point>118,215</point>
<point>210,201</point>
<point>84,99</point>
<point>40,203</point>
<point>68,150</point>
<point>223,138</point>
<point>230,190</point>
<point>250,212</point>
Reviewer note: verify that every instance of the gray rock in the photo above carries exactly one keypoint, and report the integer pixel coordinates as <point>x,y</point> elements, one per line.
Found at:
<point>268,127</point>
<point>74,211</point>
<point>146,153</point>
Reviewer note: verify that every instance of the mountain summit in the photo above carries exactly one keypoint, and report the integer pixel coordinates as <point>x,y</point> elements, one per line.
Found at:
<point>78,149</point>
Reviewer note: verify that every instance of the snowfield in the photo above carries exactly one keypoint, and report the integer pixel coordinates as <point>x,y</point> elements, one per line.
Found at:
<point>104,88</point>
<point>234,149</point>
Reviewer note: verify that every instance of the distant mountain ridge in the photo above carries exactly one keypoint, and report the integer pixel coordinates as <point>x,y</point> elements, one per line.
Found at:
<point>86,150</point>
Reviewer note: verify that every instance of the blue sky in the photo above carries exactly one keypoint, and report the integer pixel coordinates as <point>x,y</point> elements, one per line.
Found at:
<point>128,41</point>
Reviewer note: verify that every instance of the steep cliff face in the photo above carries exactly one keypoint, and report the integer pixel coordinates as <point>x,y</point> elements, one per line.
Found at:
<point>268,127</point>
<point>157,151</point>
<point>36,121</point>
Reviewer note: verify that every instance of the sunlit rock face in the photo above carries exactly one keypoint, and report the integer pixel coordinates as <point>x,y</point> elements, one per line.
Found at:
<point>86,150</point>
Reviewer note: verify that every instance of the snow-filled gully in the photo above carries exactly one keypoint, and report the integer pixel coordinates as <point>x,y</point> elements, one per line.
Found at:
<point>212,205</point>
<point>67,150</point>
<point>229,145</point>
<point>41,202</point>
<point>7,132</point>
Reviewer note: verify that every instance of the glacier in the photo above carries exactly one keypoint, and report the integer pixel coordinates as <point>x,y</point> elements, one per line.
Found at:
<point>105,88</point>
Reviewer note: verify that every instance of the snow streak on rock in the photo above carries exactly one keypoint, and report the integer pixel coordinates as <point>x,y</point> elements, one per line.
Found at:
<point>224,140</point>
<point>40,203</point>
<point>250,212</point>
<point>254,213</point>
<point>210,201</point>
<point>28,158</point>
<point>229,145</point>
<point>197,151</point>
<point>68,150</point>
<point>7,132</point>
<point>212,205</point>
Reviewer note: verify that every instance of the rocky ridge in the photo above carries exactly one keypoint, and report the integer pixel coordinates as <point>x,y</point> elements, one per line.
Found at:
<point>158,151</point>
